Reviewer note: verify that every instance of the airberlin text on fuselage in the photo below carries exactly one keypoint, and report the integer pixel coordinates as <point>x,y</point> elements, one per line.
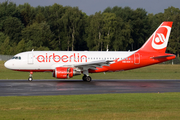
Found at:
<point>64,58</point>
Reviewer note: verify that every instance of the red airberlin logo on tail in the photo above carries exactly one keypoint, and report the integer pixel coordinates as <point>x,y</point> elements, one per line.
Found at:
<point>75,57</point>
<point>160,37</point>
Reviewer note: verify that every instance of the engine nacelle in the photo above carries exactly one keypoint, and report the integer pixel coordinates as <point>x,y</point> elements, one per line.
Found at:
<point>65,72</point>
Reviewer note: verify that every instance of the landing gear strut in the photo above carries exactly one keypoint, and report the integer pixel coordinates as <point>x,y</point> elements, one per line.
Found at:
<point>30,77</point>
<point>86,78</point>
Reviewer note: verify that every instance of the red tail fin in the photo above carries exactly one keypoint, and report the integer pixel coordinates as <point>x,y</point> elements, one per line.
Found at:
<point>159,39</point>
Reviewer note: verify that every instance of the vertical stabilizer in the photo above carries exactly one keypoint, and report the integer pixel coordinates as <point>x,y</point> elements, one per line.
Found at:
<point>159,39</point>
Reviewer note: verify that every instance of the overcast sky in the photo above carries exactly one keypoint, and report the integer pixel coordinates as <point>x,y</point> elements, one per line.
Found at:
<point>92,6</point>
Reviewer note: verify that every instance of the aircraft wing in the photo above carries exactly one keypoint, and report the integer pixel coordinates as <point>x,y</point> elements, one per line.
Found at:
<point>92,65</point>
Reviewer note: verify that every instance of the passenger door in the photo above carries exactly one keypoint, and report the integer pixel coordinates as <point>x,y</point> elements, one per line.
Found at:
<point>30,58</point>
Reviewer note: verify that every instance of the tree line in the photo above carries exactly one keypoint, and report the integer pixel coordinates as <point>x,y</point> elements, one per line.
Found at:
<point>65,28</point>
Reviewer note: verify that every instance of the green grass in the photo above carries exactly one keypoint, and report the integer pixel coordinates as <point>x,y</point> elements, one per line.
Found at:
<point>150,106</point>
<point>160,71</point>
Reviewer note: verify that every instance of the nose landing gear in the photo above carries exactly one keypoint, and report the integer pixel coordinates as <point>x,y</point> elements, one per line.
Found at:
<point>30,77</point>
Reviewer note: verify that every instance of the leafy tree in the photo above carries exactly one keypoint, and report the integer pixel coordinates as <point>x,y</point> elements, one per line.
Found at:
<point>174,42</point>
<point>94,32</point>
<point>140,26</point>
<point>8,9</point>
<point>109,20</point>
<point>27,13</point>
<point>21,46</point>
<point>57,27</point>
<point>170,13</point>
<point>2,37</point>
<point>39,33</point>
<point>12,27</point>
<point>5,47</point>
<point>29,45</point>
<point>122,37</point>
<point>73,21</point>
<point>173,14</point>
<point>54,19</point>
<point>124,20</point>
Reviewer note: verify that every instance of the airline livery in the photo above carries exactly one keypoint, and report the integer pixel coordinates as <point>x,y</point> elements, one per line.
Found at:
<point>66,64</point>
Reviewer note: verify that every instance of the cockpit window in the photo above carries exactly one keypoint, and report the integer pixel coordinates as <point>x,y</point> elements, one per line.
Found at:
<point>17,57</point>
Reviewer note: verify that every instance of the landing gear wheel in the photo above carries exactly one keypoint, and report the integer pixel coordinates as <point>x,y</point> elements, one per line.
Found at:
<point>30,76</point>
<point>30,79</point>
<point>86,78</point>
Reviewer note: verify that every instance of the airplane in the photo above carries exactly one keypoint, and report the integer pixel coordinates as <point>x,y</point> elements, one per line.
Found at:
<point>66,64</point>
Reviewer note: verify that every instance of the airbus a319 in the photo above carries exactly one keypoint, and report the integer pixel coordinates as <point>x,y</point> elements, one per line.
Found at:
<point>66,64</point>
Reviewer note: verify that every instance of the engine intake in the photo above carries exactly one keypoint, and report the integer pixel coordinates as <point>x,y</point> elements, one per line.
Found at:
<point>65,72</point>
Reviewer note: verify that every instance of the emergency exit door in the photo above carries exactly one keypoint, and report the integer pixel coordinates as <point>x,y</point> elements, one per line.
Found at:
<point>136,58</point>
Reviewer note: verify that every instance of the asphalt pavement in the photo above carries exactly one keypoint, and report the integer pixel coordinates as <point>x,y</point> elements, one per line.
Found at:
<point>76,87</point>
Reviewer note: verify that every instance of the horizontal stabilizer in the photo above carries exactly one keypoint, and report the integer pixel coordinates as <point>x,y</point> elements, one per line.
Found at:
<point>164,56</point>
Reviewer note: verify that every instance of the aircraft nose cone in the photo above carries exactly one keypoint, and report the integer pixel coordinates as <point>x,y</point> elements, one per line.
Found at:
<point>7,64</point>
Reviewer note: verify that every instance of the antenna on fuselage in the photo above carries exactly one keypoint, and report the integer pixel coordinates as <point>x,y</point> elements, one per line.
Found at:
<point>107,48</point>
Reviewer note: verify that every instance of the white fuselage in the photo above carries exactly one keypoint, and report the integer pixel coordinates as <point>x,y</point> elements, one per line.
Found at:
<point>49,60</point>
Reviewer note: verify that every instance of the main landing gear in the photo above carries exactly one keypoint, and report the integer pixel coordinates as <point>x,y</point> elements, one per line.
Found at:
<point>30,77</point>
<point>86,78</point>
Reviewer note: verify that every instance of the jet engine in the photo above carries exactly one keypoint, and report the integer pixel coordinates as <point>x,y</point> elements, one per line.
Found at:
<point>65,72</point>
